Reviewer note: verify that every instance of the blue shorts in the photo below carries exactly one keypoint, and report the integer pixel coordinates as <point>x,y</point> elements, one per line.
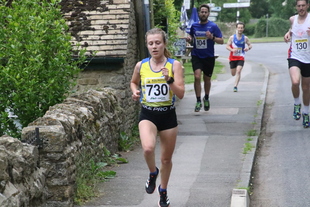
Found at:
<point>163,117</point>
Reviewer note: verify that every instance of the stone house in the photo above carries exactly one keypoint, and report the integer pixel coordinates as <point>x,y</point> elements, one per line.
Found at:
<point>78,130</point>
<point>108,30</point>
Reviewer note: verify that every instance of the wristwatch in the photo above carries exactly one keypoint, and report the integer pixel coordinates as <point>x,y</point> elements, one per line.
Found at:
<point>171,80</point>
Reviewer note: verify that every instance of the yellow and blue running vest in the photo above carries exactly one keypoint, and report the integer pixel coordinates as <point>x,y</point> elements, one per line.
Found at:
<point>155,90</point>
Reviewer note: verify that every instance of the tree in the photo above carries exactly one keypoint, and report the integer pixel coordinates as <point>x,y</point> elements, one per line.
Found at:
<point>167,18</point>
<point>178,4</point>
<point>36,70</point>
<point>259,8</point>
<point>282,11</point>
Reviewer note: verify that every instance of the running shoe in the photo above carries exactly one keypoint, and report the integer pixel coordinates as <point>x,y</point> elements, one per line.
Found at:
<point>296,114</point>
<point>198,106</point>
<point>150,184</point>
<point>235,89</point>
<point>206,104</point>
<point>163,200</point>
<point>305,121</point>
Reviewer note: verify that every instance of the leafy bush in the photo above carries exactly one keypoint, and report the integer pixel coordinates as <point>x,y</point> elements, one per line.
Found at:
<point>249,29</point>
<point>229,15</point>
<point>36,67</point>
<point>91,170</point>
<point>167,18</point>
<point>127,143</point>
<point>276,27</point>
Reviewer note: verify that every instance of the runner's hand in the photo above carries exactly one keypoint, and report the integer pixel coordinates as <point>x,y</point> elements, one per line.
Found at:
<point>287,37</point>
<point>165,73</point>
<point>136,95</point>
<point>209,35</point>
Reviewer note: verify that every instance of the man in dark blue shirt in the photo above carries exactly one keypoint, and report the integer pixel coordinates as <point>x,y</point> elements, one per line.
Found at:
<point>204,35</point>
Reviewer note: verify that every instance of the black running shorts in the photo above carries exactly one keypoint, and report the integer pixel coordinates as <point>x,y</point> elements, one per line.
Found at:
<point>235,63</point>
<point>204,64</point>
<point>304,67</point>
<point>163,117</point>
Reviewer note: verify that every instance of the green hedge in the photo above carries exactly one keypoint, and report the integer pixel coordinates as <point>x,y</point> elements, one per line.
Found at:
<point>276,27</point>
<point>249,29</point>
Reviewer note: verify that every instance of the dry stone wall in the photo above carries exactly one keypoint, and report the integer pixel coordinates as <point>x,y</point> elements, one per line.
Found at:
<point>73,132</point>
<point>108,29</point>
<point>85,124</point>
<point>22,183</point>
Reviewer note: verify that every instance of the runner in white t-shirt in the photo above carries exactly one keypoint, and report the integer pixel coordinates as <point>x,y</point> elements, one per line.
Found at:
<point>299,59</point>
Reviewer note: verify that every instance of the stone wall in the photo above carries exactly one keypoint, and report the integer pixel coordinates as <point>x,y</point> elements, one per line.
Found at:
<point>73,132</point>
<point>78,129</point>
<point>109,30</point>
<point>22,183</point>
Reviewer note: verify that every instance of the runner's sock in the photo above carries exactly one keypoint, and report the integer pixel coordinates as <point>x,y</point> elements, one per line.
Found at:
<point>162,189</point>
<point>297,101</point>
<point>305,110</point>
<point>154,173</point>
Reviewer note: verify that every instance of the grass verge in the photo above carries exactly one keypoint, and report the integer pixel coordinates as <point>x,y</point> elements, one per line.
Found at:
<point>92,170</point>
<point>266,39</point>
<point>189,74</point>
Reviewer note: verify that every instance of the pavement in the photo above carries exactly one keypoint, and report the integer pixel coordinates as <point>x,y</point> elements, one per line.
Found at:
<point>214,154</point>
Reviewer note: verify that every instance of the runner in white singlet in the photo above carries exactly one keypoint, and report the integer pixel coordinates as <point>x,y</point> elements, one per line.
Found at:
<point>299,59</point>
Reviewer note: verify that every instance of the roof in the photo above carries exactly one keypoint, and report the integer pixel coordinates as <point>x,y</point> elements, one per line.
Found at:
<point>100,27</point>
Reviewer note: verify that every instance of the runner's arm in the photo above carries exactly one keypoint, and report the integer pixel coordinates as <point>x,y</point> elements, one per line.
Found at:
<point>228,44</point>
<point>177,86</point>
<point>287,36</point>
<point>247,41</point>
<point>135,81</point>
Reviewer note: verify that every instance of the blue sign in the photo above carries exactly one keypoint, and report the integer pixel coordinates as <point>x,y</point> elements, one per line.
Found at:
<point>217,8</point>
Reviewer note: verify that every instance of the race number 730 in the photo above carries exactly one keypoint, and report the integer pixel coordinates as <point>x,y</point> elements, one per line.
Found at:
<point>157,89</point>
<point>157,92</point>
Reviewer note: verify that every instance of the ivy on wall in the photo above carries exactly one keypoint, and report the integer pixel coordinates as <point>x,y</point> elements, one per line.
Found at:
<point>167,18</point>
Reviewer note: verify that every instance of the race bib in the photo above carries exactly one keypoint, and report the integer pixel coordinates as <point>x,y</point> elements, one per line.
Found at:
<point>301,44</point>
<point>156,90</point>
<point>238,52</point>
<point>201,42</point>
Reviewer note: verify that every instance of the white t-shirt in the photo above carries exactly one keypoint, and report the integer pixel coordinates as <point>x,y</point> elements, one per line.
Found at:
<point>300,48</point>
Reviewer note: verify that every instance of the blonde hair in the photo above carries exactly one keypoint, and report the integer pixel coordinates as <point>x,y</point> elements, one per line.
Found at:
<point>164,36</point>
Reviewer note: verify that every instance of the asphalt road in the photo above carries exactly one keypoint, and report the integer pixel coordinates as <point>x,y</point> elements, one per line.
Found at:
<point>280,176</point>
<point>208,161</point>
<point>208,157</point>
